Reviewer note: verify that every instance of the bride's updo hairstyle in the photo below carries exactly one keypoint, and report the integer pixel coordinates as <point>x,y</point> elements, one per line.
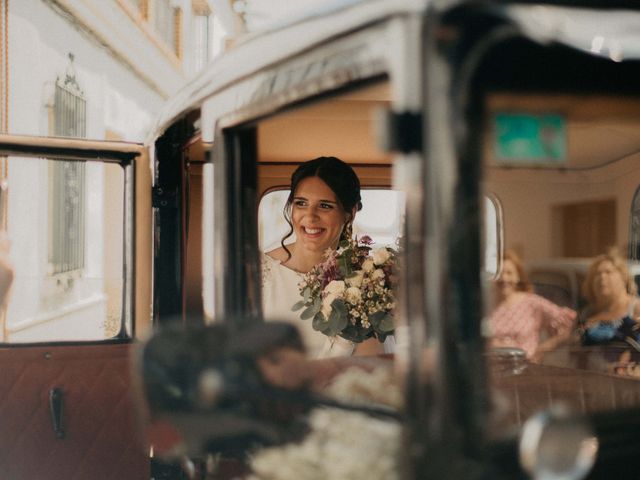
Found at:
<point>338,176</point>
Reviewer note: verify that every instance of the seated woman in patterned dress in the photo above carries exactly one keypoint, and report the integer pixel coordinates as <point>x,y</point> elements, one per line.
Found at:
<point>522,317</point>
<point>613,308</point>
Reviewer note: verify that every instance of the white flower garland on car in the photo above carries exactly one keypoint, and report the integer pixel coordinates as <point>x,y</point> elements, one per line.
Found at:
<point>341,444</point>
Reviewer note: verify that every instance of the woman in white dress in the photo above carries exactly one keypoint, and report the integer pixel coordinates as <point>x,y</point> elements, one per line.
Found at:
<point>324,199</point>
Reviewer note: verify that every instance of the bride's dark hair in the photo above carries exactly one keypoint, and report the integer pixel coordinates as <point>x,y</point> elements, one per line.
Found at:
<point>338,176</point>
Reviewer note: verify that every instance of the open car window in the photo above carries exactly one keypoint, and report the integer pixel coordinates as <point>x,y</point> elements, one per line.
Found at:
<point>64,240</point>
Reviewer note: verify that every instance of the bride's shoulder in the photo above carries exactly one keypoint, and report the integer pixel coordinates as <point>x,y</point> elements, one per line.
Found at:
<point>279,254</point>
<point>271,260</point>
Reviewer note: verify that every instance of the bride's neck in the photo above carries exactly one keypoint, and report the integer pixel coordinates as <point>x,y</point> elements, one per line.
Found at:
<point>303,260</point>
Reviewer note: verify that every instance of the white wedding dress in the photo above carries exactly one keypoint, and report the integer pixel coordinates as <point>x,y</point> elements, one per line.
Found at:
<point>279,293</point>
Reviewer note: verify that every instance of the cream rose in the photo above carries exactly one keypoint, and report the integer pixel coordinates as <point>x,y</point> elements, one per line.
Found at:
<point>380,256</point>
<point>356,279</point>
<point>378,273</point>
<point>368,265</point>
<point>335,287</point>
<point>353,295</point>
<point>326,305</point>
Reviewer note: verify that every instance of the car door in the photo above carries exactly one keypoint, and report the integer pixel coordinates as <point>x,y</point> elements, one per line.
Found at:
<point>78,300</point>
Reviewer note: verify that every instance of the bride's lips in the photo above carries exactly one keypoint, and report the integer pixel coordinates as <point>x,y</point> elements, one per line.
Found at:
<point>313,232</point>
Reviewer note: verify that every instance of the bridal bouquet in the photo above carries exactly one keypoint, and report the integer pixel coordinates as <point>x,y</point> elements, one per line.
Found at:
<point>350,294</point>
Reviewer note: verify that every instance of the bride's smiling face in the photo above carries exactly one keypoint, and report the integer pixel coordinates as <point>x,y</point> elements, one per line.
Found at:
<point>317,216</point>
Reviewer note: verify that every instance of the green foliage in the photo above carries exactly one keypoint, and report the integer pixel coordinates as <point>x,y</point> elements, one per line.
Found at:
<point>312,309</point>
<point>338,318</point>
<point>298,305</point>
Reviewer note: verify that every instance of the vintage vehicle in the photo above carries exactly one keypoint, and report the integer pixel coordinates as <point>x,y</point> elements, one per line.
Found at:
<point>483,125</point>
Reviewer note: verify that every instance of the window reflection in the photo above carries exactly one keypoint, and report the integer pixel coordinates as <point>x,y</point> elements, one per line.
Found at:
<point>67,255</point>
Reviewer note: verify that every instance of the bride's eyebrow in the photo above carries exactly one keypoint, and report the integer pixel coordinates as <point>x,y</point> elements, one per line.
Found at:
<point>321,200</point>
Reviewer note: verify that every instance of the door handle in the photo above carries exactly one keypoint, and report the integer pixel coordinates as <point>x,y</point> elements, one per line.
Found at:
<point>56,405</point>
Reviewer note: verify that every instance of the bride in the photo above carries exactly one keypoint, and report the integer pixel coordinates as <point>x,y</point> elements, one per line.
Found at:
<point>324,199</point>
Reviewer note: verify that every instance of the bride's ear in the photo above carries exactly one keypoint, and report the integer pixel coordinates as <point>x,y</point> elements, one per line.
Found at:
<point>351,215</point>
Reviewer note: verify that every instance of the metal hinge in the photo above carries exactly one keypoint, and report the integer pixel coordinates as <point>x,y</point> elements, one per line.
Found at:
<point>400,131</point>
<point>163,197</point>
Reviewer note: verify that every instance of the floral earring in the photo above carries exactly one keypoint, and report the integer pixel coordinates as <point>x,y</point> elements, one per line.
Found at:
<point>347,231</point>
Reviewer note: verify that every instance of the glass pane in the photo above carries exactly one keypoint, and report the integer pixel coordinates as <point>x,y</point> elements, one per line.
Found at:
<point>65,229</point>
<point>164,21</point>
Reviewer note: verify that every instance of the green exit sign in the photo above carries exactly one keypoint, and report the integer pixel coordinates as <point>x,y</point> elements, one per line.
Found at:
<point>523,138</point>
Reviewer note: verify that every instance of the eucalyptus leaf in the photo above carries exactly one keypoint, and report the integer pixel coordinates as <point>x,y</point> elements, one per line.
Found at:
<point>337,321</point>
<point>317,305</point>
<point>340,306</point>
<point>376,318</point>
<point>386,325</point>
<point>308,312</point>
<point>319,323</point>
<point>351,336</point>
<point>298,305</point>
<point>306,294</point>
<point>344,266</point>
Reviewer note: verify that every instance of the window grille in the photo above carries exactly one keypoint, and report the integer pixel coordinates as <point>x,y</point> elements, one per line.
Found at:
<point>166,20</point>
<point>142,6</point>
<point>202,41</point>
<point>67,181</point>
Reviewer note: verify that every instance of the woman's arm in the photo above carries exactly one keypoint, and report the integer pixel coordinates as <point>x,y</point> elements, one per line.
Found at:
<point>559,321</point>
<point>636,310</point>
<point>551,344</point>
<point>369,347</point>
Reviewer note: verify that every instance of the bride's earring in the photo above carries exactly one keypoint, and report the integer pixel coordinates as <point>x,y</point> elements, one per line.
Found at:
<point>347,231</point>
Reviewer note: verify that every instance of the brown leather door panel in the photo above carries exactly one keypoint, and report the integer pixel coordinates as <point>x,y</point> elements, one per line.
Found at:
<point>100,439</point>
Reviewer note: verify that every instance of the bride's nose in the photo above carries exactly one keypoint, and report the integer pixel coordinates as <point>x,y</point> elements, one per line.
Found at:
<point>313,211</point>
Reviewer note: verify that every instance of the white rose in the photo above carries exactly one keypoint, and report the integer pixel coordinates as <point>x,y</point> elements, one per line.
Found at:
<point>368,265</point>
<point>356,279</point>
<point>326,305</point>
<point>380,256</point>
<point>353,295</point>
<point>377,274</point>
<point>335,287</point>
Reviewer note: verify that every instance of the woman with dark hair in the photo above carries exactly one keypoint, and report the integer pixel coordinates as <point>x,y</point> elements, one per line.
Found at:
<point>324,199</point>
<point>522,317</point>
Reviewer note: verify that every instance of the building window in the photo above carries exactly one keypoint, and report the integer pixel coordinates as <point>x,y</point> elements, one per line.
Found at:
<point>167,21</point>
<point>142,6</point>
<point>202,43</point>
<point>202,19</point>
<point>67,180</point>
<point>177,32</point>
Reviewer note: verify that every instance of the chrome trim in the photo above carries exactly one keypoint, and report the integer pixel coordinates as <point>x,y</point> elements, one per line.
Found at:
<point>555,445</point>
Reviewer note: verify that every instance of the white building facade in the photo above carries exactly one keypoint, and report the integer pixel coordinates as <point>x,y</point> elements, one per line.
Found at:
<point>97,69</point>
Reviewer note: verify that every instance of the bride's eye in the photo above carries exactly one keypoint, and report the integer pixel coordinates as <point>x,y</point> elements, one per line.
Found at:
<point>300,203</point>
<point>326,206</point>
